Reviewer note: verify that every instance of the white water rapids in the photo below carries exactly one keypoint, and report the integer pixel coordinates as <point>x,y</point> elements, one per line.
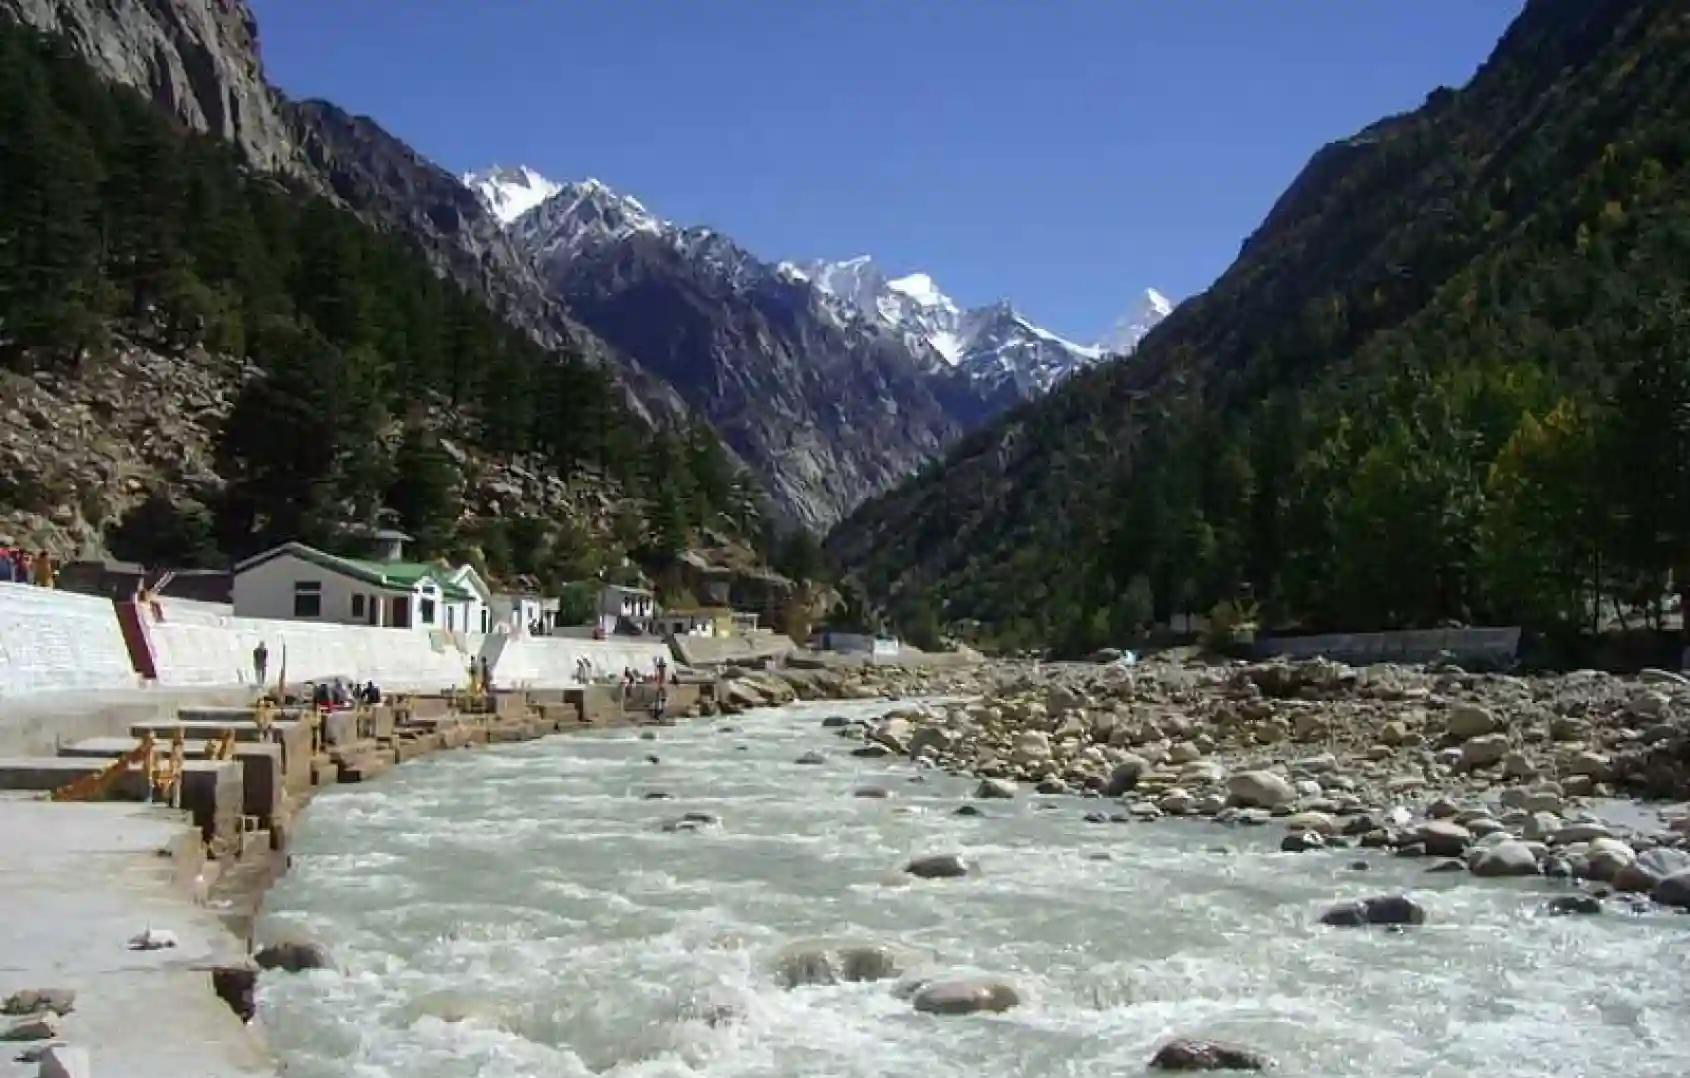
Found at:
<point>518,911</point>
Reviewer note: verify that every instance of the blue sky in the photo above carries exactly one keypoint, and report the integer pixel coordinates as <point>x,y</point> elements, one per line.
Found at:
<point>1064,153</point>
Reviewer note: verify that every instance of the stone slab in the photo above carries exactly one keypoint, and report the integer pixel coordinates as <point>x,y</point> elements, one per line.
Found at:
<point>76,881</point>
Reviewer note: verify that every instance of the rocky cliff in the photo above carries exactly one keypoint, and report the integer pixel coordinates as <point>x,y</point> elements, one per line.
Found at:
<point>198,59</point>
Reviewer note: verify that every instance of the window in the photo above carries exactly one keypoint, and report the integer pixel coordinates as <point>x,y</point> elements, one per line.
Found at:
<point>485,617</point>
<point>357,606</point>
<point>426,612</point>
<point>308,599</point>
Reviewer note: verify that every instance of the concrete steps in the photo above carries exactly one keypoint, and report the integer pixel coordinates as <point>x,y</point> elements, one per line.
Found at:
<point>212,791</point>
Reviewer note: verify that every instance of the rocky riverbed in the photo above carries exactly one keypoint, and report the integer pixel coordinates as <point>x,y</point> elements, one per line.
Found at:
<point>1492,774</point>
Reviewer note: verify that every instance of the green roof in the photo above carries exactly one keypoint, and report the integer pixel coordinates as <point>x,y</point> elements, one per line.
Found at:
<point>408,574</point>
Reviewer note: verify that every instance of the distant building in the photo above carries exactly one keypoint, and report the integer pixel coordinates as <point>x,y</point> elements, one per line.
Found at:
<point>299,582</point>
<point>475,614</point>
<point>624,609</point>
<point>520,613</point>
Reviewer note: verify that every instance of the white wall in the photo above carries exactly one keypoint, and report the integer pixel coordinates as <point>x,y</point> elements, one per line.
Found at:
<point>266,591</point>
<point>53,641</point>
<point>205,644</point>
<point>548,662</point>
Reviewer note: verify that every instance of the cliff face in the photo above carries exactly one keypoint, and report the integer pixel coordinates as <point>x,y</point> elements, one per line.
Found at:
<point>197,58</point>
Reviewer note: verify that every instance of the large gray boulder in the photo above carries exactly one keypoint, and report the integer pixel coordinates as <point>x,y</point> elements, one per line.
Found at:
<point>1125,775</point>
<point>1260,789</point>
<point>1673,890</point>
<point>995,788</point>
<point>1443,838</point>
<point>1650,868</point>
<point>1471,720</point>
<point>966,996</point>
<point>937,866</point>
<point>1484,750</point>
<point>1378,910</point>
<point>1503,859</point>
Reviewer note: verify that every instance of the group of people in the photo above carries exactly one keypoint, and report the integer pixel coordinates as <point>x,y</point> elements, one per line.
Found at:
<point>337,694</point>
<point>19,566</point>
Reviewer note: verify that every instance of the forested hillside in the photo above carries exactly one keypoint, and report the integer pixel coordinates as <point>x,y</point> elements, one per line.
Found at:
<point>368,381</point>
<point>1447,379</point>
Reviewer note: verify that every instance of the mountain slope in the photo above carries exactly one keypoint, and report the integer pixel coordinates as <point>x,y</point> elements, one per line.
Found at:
<point>828,413</point>
<point>1412,398</point>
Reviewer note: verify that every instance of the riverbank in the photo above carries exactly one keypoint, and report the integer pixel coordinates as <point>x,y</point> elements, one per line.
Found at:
<point>80,880</point>
<point>1493,774</point>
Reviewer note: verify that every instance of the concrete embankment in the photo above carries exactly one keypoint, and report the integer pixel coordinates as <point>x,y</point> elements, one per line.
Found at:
<point>80,881</point>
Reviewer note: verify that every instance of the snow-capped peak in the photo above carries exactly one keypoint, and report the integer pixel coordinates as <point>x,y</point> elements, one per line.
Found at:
<point>1139,320</point>
<point>920,287</point>
<point>509,193</point>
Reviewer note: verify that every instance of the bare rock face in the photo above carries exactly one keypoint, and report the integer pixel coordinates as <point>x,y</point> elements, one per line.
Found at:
<point>198,59</point>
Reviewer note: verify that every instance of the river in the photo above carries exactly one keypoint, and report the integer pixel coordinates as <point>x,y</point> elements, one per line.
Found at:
<point>519,911</point>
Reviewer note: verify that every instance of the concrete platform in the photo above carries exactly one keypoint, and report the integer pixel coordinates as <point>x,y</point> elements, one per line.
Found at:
<point>76,882</point>
<point>261,767</point>
<point>211,790</point>
<point>293,735</point>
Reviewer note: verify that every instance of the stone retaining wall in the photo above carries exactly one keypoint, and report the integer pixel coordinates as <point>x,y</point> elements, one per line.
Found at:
<point>196,644</point>
<point>549,662</point>
<point>1495,645</point>
<point>56,641</point>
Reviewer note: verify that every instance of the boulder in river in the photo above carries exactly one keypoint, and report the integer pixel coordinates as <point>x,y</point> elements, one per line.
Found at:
<point>938,866</point>
<point>294,956</point>
<point>995,788</point>
<point>834,722</point>
<point>1673,890</point>
<point>1302,841</point>
<point>1443,838</point>
<point>1650,868</point>
<point>966,996</point>
<point>1508,858</point>
<point>811,757</point>
<point>1562,905</point>
<point>825,962</point>
<point>1378,910</point>
<point>1187,1054</point>
<point>1260,789</point>
<point>1125,775</point>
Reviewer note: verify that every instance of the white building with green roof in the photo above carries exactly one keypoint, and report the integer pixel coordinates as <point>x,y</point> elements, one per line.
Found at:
<point>295,581</point>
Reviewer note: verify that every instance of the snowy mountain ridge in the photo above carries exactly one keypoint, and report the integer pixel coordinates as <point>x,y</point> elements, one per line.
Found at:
<point>994,343</point>
<point>1001,352</point>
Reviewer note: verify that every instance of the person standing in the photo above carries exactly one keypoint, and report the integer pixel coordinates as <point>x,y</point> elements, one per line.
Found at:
<point>260,662</point>
<point>44,570</point>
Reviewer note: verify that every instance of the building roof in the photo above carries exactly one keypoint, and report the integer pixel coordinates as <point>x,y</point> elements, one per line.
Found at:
<point>408,574</point>
<point>627,589</point>
<point>392,575</point>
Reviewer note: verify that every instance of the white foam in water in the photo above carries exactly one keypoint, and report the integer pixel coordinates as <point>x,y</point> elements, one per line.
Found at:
<point>518,912</point>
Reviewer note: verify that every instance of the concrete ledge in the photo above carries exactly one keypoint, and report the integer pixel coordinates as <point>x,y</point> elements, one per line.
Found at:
<point>261,767</point>
<point>294,738</point>
<point>212,791</point>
